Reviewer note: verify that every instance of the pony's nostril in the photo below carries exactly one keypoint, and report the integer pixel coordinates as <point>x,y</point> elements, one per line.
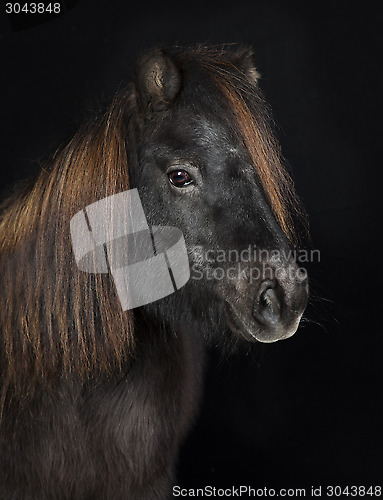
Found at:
<point>268,309</point>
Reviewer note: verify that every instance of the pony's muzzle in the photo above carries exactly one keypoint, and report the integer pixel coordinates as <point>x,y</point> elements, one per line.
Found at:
<point>279,306</point>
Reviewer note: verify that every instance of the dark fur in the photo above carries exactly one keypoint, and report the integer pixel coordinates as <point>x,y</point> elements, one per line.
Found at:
<point>95,402</point>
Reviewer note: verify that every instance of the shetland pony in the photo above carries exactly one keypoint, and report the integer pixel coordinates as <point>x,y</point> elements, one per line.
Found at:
<point>95,401</point>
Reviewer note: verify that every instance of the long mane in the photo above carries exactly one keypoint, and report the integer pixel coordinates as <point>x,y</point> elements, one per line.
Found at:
<point>55,319</point>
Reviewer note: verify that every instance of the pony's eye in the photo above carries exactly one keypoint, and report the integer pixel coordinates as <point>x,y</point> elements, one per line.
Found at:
<point>180,178</point>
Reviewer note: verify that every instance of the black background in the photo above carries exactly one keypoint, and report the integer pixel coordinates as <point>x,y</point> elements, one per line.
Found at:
<point>302,412</point>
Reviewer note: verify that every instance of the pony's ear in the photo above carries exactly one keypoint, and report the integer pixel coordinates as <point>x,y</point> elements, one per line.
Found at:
<point>158,81</point>
<point>246,64</point>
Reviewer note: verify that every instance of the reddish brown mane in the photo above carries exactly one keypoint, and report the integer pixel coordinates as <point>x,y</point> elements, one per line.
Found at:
<point>54,317</point>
